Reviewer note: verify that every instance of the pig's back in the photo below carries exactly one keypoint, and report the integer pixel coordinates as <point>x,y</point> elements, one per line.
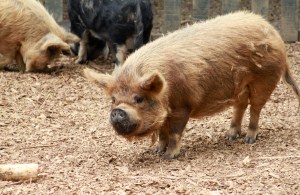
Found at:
<point>230,36</point>
<point>26,18</point>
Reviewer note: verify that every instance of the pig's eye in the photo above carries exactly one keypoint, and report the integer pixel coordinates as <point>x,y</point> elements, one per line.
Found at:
<point>138,99</point>
<point>113,99</point>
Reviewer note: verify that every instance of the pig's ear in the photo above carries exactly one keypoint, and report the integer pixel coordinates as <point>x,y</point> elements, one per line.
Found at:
<point>71,38</point>
<point>153,83</point>
<point>105,81</point>
<point>53,44</point>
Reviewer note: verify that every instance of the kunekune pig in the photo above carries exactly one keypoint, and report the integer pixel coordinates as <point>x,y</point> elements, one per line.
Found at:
<point>117,26</point>
<point>202,69</point>
<point>30,36</point>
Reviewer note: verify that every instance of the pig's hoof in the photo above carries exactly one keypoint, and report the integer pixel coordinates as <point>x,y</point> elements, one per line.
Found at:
<point>54,69</point>
<point>232,134</point>
<point>11,68</point>
<point>169,156</point>
<point>160,150</point>
<point>249,140</point>
<point>80,61</point>
<point>232,137</point>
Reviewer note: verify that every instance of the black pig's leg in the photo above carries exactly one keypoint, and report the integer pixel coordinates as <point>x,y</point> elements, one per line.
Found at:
<point>121,54</point>
<point>82,53</point>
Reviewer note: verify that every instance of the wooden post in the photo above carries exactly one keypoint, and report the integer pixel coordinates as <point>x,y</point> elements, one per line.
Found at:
<point>171,15</point>
<point>289,20</point>
<point>200,9</point>
<point>230,6</point>
<point>260,7</point>
<point>55,7</point>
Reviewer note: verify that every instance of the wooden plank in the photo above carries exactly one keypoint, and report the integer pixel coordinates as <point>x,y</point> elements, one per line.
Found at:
<point>55,7</point>
<point>200,9</point>
<point>230,6</point>
<point>289,20</point>
<point>171,15</point>
<point>260,7</point>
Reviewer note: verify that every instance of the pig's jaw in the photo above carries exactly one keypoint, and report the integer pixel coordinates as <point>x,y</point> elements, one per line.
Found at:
<point>125,128</point>
<point>141,131</point>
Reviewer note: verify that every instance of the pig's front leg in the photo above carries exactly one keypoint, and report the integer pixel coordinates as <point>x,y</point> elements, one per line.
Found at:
<point>83,47</point>
<point>163,139</point>
<point>4,61</point>
<point>177,123</point>
<point>20,62</point>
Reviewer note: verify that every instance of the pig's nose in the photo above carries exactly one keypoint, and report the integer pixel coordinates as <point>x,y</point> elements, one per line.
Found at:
<point>118,116</point>
<point>121,122</point>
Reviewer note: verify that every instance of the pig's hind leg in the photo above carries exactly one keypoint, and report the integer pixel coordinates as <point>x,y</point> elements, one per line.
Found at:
<point>238,112</point>
<point>259,95</point>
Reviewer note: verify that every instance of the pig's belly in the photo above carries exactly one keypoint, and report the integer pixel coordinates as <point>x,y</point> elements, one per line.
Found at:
<point>211,109</point>
<point>213,103</point>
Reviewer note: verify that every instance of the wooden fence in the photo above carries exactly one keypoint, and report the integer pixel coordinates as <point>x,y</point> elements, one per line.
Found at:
<point>289,20</point>
<point>55,7</point>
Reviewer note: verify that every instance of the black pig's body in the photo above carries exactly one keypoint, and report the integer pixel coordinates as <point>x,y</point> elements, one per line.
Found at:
<point>119,25</point>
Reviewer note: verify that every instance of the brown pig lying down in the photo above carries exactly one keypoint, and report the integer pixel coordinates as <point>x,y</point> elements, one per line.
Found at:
<point>30,36</point>
<point>231,60</point>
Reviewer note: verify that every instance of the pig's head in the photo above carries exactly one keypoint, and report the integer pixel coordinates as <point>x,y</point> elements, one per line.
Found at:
<point>36,57</point>
<point>139,103</point>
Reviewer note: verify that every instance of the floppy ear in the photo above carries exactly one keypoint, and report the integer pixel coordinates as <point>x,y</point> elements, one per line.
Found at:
<point>104,81</point>
<point>153,83</point>
<point>53,41</point>
<point>51,45</point>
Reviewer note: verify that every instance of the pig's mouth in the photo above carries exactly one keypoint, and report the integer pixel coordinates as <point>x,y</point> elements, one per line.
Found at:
<point>141,132</point>
<point>125,128</point>
<point>130,129</point>
<point>130,126</point>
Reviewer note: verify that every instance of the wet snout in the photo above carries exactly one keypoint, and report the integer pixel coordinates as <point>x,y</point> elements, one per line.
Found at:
<point>118,116</point>
<point>122,121</point>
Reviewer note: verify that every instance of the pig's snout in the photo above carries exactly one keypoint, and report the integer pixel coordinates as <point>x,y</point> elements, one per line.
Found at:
<point>121,122</point>
<point>118,116</point>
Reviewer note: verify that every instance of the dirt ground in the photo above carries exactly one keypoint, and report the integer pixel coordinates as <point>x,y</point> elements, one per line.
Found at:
<point>60,121</point>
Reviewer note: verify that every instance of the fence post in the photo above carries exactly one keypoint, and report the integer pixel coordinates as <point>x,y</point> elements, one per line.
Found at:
<point>171,15</point>
<point>260,7</point>
<point>200,9</point>
<point>230,6</point>
<point>289,20</point>
<point>55,7</point>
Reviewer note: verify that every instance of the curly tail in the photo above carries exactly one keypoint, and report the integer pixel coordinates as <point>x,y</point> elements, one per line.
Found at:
<point>292,83</point>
